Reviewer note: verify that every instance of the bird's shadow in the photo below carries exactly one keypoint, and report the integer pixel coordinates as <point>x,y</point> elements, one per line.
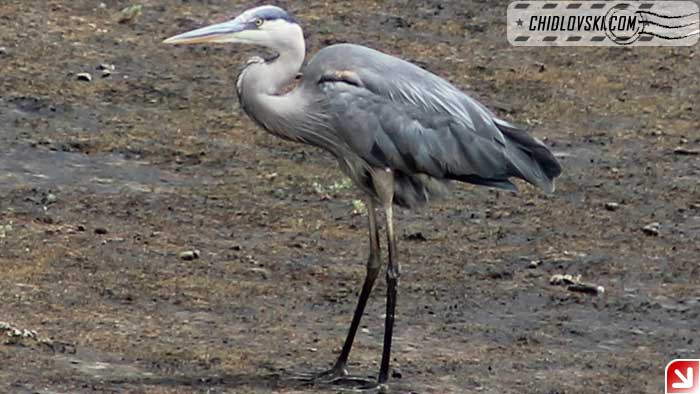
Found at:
<point>263,382</point>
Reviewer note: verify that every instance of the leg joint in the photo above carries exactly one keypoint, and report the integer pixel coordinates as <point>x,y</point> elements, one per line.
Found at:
<point>393,272</point>
<point>374,262</point>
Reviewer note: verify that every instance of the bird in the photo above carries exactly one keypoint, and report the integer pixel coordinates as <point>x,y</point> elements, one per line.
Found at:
<point>401,133</point>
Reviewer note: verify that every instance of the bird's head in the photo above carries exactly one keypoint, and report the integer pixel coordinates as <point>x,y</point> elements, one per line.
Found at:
<point>267,26</point>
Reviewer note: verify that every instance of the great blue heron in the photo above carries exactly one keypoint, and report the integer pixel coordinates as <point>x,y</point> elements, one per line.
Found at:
<point>399,132</point>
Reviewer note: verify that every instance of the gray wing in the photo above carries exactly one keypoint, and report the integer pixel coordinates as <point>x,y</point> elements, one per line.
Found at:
<point>397,115</point>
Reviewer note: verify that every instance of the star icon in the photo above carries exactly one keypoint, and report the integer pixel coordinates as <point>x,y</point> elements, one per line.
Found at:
<point>519,22</point>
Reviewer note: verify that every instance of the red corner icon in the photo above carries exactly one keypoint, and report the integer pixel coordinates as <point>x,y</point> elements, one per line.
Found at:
<point>683,377</point>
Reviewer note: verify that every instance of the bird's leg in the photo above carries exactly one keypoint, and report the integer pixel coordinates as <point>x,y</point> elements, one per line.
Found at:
<point>338,372</point>
<point>373,265</point>
<point>384,185</point>
<point>393,272</point>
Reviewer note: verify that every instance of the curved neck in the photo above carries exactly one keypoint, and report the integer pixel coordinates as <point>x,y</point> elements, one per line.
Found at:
<point>270,77</point>
<point>261,85</point>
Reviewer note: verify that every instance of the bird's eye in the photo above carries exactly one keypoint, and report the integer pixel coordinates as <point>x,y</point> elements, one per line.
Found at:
<point>258,22</point>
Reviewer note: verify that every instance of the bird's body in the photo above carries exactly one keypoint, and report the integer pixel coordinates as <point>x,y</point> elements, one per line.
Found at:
<point>398,131</point>
<point>414,123</point>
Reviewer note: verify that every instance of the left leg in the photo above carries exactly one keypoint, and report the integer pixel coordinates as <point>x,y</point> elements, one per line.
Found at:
<point>393,271</point>
<point>384,185</point>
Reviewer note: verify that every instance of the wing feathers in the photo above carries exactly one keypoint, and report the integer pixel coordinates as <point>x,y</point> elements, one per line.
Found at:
<point>397,115</point>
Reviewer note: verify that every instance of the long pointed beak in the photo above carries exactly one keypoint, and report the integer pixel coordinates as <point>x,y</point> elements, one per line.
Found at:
<point>220,32</point>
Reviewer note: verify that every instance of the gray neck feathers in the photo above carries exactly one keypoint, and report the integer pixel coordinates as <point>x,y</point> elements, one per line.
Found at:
<point>260,88</point>
<point>297,115</point>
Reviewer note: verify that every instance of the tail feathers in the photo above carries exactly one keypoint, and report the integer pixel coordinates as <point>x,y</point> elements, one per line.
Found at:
<point>530,158</point>
<point>477,180</point>
<point>414,190</point>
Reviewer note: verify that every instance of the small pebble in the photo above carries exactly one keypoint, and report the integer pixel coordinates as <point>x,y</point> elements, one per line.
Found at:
<point>686,152</point>
<point>534,264</point>
<point>574,283</point>
<point>50,198</point>
<point>587,288</point>
<point>270,177</point>
<point>415,237</point>
<point>189,255</point>
<point>262,271</point>
<point>17,332</point>
<point>84,77</point>
<point>612,206</point>
<point>564,279</point>
<point>397,21</point>
<point>101,231</point>
<point>651,229</point>
<point>106,69</point>
<point>3,51</point>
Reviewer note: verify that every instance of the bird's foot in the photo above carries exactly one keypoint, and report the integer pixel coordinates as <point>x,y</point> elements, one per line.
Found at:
<point>371,388</point>
<point>338,375</point>
<point>325,376</point>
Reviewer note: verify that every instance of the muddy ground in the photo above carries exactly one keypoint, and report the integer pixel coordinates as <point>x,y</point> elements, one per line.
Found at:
<point>104,184</point>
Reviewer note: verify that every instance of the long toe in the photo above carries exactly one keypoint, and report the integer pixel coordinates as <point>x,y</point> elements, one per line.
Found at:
<point>328,376</point>
<point>355,382</point>
<point>370,388</point>
<point>339,379</point>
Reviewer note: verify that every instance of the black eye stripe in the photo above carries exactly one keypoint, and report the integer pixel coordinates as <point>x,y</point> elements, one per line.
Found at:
<point>266,14</point>
<point>274,13</point>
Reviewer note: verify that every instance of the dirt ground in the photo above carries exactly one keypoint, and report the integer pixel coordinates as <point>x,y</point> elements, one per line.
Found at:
<point>104,184</point>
